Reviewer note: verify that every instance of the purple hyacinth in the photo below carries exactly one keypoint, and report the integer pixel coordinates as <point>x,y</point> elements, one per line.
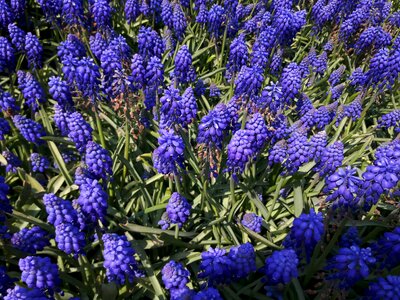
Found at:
<point>188,107</point>
<point>298,151</point>
<point>167,13</point>
<point>79,131</point>
<point>21,293</point>
<point>39,272</point>
<point>281,267</point>
<point>93,200</point>
<point>177,212</point>
<point>69,238</point>
<point>249,81</point>
<point>30,240</point>
<point>290,82</point>
<point>259,131</point>
<point>170,110</point>
<point>252,221</point>
<point>215,265</point>
<point>175,276</point>
<point>17,36</point>
<point>60,119</point>
<point>343,186</point>
<point>216,18</point>
<point>202,16</point>
<point>238,54</point>
<point>59,210</point>
<point>101,11</point>
<point>318,143</point>
<point>154,75</point>
<point>39,163</point>
<point>98,43</point>
<point>240,150</point>
<point>6,283</point>
<point>72,46</point>
<point>378,67</point>
<point>262,47</point>
<point>31,89</point>
<point>72,12</point>
<point>29,129</point>
<point>7,56</point>
<point>60,91</point>
<point>213,126</point>
<point>288,23</point>
<point>352,111</point>
<point>278,153</point>
<point>336,75</point>
<point>384,288</point>
<point>8,103</point>
<point>4,128</point>
<point>244,260</point>
<point>351,264</point>
<point>271,98</point>
<point>208,293</point>
<point>138,71</point>
<point>13,162</point>
<point>350,238</point>
<point>358,78</point>
<point>132,10</point>
<point>34,51</point>
<point>184,71</point>
<point>387,249</point>
<point>6,14</point>
<point>98,160</point>
<point>87,78</point>
<point>119,260</point>
<point>307,231</point>
<point>168,157</point>
<point>279,128</point>
<point>391,119</point>
<point>179,22</point>
<point>150,43</point>
<point>331,159</point>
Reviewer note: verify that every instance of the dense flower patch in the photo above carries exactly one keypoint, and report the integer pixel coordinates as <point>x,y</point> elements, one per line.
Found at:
<point>158,149</point>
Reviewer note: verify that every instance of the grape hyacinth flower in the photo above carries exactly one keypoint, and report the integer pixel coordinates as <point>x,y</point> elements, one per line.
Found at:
<point>351,264</point>
<point>87,77</point>
<point>240,150</point>
<point>208,293</point>
<point>298,151</point>
<point>384,288</point>
<point>72,12</point>
<point>179,22</point>
<point>281,266</point>
<point>138,71</point>
<point>60,92</point>
<point>391,119</point>
<point>6,283</point>
<point>387,249</point>
<point>331,159</point>
<point>216,18</point>
<point>188,107</point>
<point>59,210</point>
<point>350,238</point>
<point>34,51</point>
<point>101,11</point>
<point>259,130</point>
<point>31,89</point>
<point>252,221</point>
<point>154,75</point>
<point>132,10</point>
<point>271,98</point>
<point>336,75</point>
<point>71,47</point>
<point>290,82</point>
<point>244,260</point>
<point>175,276</point>
<point>13,162</point>
<point>184,71</point>
<point>7,56</point>
<point>278,153</point>
<point>167,13</point>
<point>150,43</point>
<point>69,238</point>
<point>8,103</point>
<point>262,47</point>
<point>318,143</point>
<point>307,231</point>
<point>6,14</point>
<point>215,265</point>
<point>171,108</point>
<point>213,126</point>
<point>177,212</point>
<point>119,260</point>
<point>238,54</point>
<point>30,240</point>
<point>352,111</point>
<point>98,160</point>
<point>249,81</point>
<point>93,200</point>
<point>21,293</point>
<point>4,128</point>
<point>358,78</point>
<point>29,129</point>
<point>39,163</point>
<point>39,272</point>
<point>97,44</point>
<point>79,131</point>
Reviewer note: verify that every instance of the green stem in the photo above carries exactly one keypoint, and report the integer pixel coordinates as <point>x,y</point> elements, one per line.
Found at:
<point>232,190</point>
<point>100,128</point>
<point>126,150</point>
